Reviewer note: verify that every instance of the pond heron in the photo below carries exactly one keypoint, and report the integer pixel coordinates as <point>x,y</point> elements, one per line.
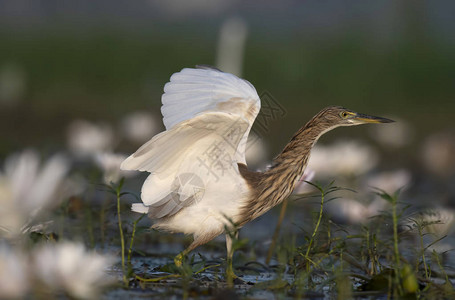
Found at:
<point>199,182</point>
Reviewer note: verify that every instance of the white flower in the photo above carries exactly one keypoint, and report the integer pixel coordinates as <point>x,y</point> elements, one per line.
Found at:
<point>14,281</point>
<point>435,224</point>
<point>436,221</point>
<point>109,163</point>
<point>342,158</point>
<point>139,127</point>
<point>391,181</point>
<point>71,268</point>
<point>26,188</point>
<point>86,139</point>
<point>351,211</point>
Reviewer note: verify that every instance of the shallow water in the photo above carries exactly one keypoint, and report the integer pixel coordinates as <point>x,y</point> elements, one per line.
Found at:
<point>259,281</point>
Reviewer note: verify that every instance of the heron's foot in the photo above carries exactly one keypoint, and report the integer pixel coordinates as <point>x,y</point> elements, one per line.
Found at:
<point>178,260</point>
<point>231,277</point>
<point>230,273</point>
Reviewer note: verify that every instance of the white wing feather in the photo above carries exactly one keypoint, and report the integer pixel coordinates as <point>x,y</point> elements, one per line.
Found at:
<point>205,146</point>
<point>202,109</point>
<point>192,91</point>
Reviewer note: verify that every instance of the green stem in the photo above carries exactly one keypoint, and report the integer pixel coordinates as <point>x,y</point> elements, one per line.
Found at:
<point>307,258</point>
<point>395,234</point>
<point>206,268</point>
<point>157,278</point>
<point>441,267</point>
<point>423,250</point>
<point>317,225</point>
<point>130,250</point>
<point>122,240</point>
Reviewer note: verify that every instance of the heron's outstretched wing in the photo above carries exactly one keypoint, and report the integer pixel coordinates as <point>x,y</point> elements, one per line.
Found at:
<point>191,92</point>
<point>194,92</point>
<point>199,152</point>
<point>205,111</point>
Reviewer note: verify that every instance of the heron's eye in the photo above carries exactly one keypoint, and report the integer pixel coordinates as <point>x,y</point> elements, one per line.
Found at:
<point>344,115</point>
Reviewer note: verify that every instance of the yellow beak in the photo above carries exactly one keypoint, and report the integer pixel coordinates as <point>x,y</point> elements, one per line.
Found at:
<point>370,119</point>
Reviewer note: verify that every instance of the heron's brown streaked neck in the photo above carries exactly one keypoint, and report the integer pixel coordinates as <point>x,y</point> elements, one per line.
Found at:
<point>271,187</point>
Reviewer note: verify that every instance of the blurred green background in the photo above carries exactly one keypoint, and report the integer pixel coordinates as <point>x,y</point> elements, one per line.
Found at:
<point>99,60</point>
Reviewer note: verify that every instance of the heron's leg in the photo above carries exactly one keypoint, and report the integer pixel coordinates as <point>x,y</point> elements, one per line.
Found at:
<point>179,258</point>
<point>230,253</point>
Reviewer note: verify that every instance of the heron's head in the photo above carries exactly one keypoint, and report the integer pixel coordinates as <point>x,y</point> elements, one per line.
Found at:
<point>339,116</point>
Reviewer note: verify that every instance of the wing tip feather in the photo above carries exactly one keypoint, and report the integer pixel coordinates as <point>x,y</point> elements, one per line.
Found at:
<point>127,164</point>
<point>207,67</point>
<point>139,208</point>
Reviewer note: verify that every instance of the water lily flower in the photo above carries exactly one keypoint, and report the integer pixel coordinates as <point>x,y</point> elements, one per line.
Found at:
<point>109,163</point>
<point>86,139</point>
<point>27,188</point>
<point>70,268</point>
<point>437,221</point>
<point>342,158</point>
<point>14,278</point>
<point>435,224</point>
<point>350,211</point>
<point>139,127</point>
<point>391,181</point>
